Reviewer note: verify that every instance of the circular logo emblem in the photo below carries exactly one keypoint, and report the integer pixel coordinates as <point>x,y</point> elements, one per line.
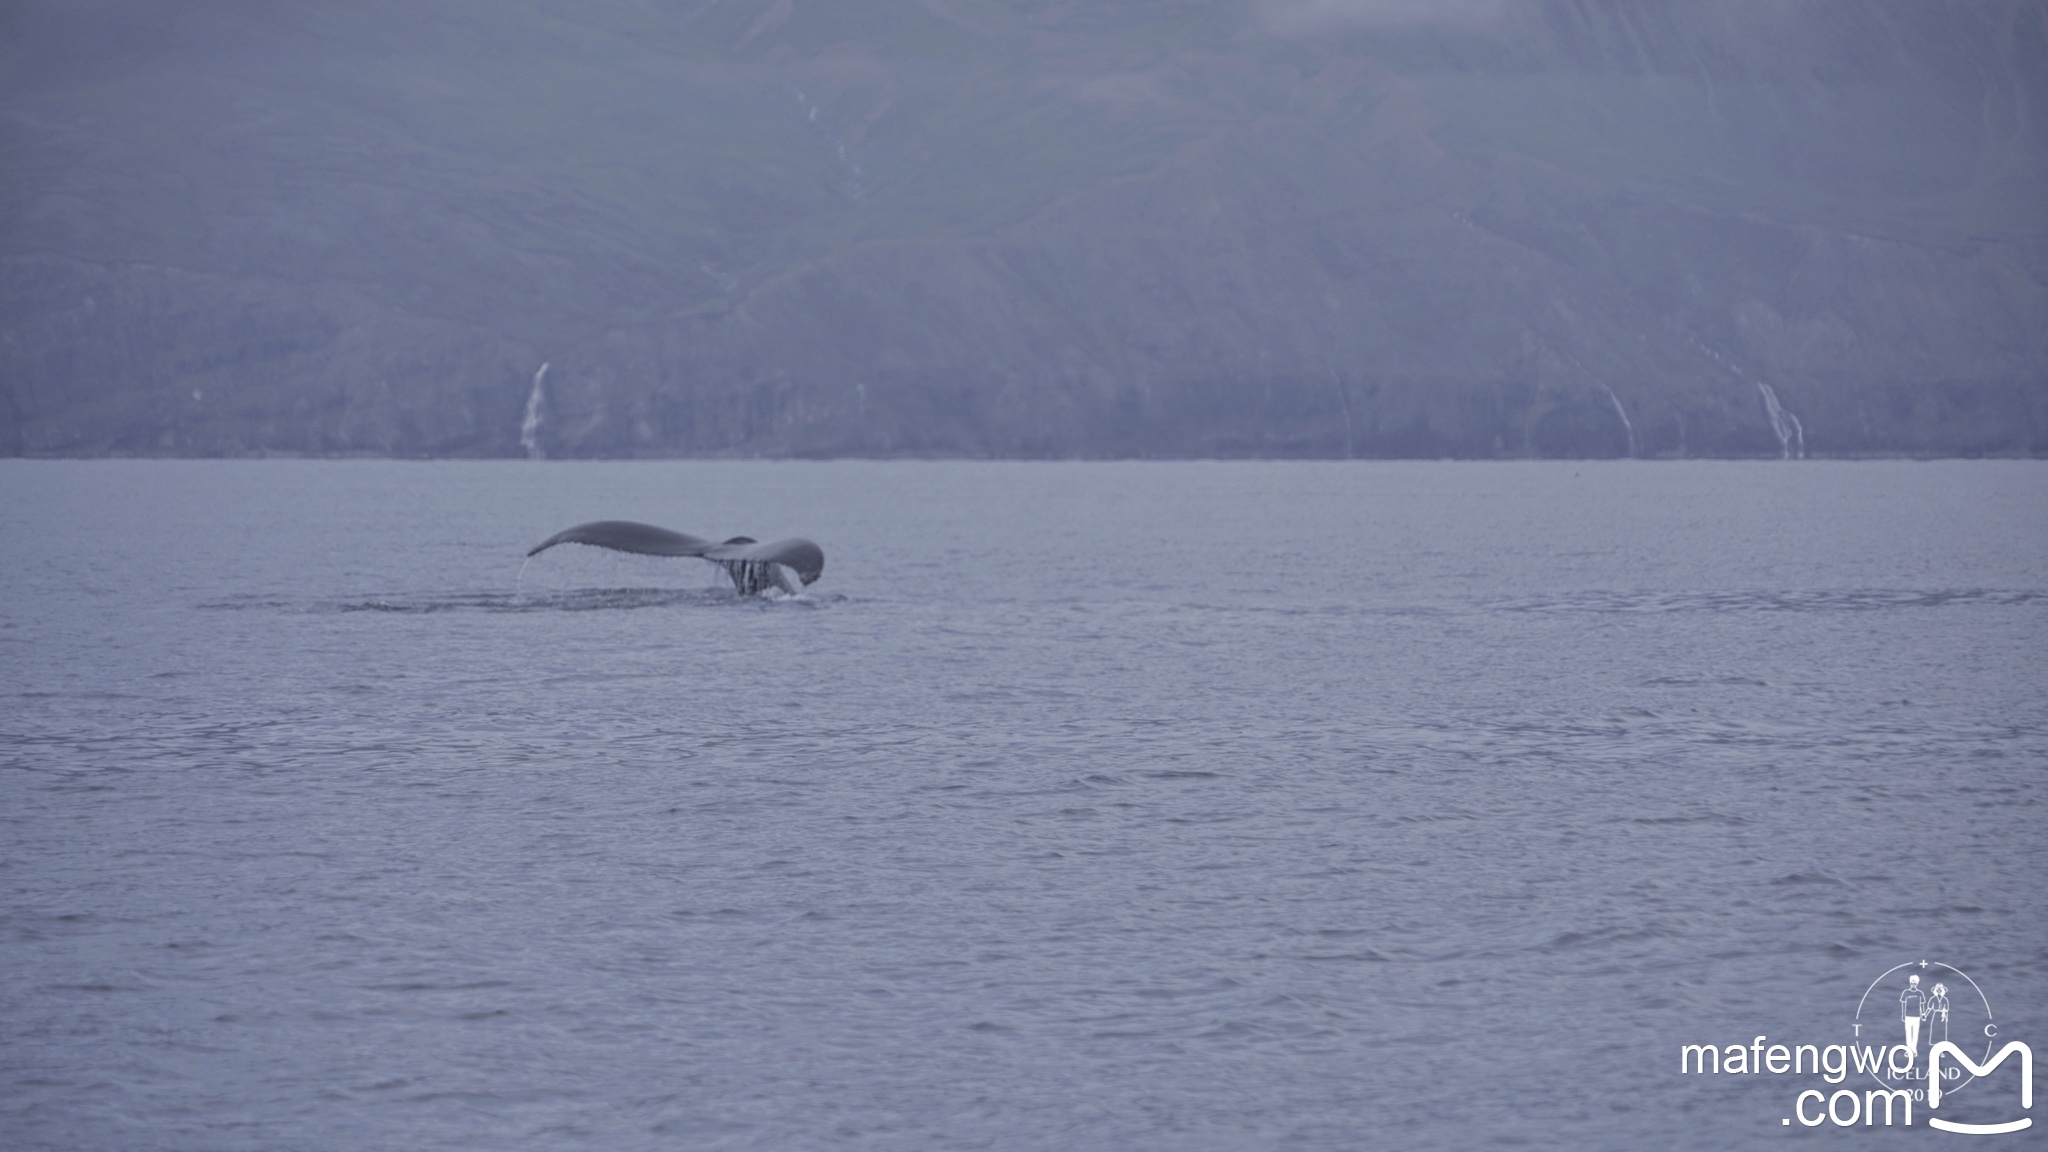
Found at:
<point>1910,1009</point>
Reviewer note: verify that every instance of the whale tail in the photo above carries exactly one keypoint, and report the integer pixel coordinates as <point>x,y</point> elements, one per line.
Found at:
<point>753,567</point>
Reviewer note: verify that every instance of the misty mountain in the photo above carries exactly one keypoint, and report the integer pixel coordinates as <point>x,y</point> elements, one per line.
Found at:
<point>1024,227</point>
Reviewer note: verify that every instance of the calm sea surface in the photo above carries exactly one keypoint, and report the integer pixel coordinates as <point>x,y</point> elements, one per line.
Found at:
<point>1079,806</point>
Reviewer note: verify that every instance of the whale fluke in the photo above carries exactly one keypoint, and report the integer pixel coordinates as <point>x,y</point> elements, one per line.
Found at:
<point>627,536</point>
<point>753,567</point>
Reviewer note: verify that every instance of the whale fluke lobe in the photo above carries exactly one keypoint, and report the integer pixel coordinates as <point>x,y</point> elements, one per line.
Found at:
<point>627,536</point>
<point>753,567</point>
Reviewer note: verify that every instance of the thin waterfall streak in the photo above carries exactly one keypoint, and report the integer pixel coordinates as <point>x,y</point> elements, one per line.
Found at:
<point>1626,424</point>
<point>529,429</point>
<point>1791,434</point>
<point>1344,401</point>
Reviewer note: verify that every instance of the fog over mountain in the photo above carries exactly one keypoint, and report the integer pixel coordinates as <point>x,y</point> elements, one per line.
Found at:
<point>1024,227</point>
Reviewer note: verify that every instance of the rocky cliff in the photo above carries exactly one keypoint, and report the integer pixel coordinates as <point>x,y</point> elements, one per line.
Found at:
<point>1024,228</point>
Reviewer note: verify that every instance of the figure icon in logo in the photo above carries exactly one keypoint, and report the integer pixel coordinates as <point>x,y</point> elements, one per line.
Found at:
<point>1937,1016</point>
<point>1941,1018</point>
<point>1912,1009</point>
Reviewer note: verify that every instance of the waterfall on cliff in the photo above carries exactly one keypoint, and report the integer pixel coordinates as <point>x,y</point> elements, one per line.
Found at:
<point>1791,436</point>
<point>529,429</point>
<point>1627,425</point>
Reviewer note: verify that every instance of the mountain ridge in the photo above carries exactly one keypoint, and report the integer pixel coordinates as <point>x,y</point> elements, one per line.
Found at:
<point>1182,229</point>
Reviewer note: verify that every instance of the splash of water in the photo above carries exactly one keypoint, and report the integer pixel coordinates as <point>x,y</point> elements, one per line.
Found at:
<point>529,429</point>
<point>755,578</point>
<point>1791,435</point>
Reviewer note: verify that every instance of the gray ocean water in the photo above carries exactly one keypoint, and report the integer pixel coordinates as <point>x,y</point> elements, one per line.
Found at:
<point>1079,806</point>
